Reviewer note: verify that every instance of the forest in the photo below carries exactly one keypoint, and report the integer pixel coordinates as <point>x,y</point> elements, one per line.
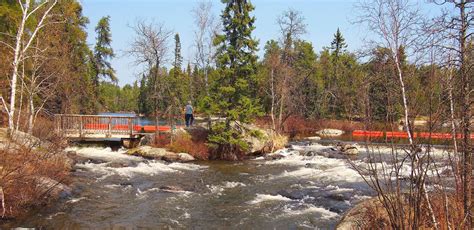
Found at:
<point>291,79</point>
<point>415,67</point>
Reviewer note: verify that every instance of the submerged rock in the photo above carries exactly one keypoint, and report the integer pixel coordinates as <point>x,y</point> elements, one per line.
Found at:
<point>172,189</point>
<point>293,194</point>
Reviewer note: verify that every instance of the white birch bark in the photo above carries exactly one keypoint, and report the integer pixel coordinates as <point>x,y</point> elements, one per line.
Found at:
<point>19,51</point>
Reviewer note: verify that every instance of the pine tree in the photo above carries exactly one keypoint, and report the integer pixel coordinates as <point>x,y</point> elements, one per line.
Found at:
<point>234,91</point>
<point>103,52</point>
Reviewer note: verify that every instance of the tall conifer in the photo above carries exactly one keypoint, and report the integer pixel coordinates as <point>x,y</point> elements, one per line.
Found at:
<point>234,89</point>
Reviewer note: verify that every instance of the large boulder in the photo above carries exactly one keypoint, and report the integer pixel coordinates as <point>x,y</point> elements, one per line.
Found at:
<point>148,139</point>
<point>263,141</point>
<point>330,132</point>
<point>184,157</point>
<point>148,152</point>
<point>358,216</point>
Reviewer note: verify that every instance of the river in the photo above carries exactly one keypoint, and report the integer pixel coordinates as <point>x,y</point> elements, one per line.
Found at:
<point>112,190</point>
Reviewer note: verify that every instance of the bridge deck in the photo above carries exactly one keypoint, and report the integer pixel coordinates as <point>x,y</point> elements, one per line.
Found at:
<point>102,126</point>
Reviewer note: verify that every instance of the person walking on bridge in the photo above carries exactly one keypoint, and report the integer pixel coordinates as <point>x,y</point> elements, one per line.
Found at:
<point>188,114</point>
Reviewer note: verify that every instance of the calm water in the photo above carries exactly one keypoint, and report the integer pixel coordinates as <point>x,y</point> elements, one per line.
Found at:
<point>145,120</point>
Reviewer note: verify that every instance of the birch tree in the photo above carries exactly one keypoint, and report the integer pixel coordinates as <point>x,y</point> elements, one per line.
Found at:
<point>23,41</point>
<point>40,85</point>
<point>396,23</point>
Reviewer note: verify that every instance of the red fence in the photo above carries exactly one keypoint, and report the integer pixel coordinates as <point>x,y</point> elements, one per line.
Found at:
<point>364,133</point>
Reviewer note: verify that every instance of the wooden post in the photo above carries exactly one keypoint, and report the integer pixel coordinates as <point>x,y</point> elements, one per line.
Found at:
<point>130,126</point>
<point>81,123</point>
<point>110,128</point>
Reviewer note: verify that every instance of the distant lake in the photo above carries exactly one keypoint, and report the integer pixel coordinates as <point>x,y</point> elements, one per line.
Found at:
<point>142,120</point>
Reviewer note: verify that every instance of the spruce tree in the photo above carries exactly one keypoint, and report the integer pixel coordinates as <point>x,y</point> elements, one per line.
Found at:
<point>103,52</point>
<point>234,89</point>
<point>338,44</point>
<point>178,59</point>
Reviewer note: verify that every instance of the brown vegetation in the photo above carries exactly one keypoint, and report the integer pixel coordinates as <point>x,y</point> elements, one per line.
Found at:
<point>372,215</point>
<point>296,126</point>
<point>23,171</point>
<point>193,143</point>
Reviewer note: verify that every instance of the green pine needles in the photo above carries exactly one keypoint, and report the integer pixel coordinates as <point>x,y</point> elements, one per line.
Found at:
<point>234,92</point>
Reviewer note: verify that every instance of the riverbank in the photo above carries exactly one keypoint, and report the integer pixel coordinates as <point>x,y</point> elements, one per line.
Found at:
<point>33,173</point>
<point>296,191</point>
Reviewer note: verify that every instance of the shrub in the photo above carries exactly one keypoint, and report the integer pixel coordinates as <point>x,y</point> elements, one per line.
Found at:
<point>195,145</point>
<point>20,169</point>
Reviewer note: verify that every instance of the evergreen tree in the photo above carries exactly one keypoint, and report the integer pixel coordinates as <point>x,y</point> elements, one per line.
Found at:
<point>234,91</point>
<point>103,51</point>
<point>338,44</point>
<point>178,59</point>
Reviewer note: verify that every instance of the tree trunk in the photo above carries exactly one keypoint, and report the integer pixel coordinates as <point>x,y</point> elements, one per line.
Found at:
<point>272,110</point>
<point>466,117</point>
<point>31,114</point>
<point>404,97</point>
<point>16,63</point>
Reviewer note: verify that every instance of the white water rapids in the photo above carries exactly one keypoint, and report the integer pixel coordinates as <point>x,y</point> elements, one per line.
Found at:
<point>114,190</point>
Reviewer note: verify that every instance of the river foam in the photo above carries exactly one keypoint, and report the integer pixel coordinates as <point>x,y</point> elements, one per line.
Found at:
<point>267,197</point>
<point>130,165</point>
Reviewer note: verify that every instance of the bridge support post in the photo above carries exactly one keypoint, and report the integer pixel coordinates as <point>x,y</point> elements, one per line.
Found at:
<point>109,131</point>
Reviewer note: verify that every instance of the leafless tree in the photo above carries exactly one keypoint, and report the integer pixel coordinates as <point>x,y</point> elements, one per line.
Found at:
<point>455,30</point>
<point>207,28</point>
<point>396,24</point>
<point>40,85</point>
<point>23,41</point>
<point>292,26</point>
<point>150,48</point>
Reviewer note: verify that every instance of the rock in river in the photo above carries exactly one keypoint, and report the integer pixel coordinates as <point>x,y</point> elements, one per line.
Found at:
<point>347,149</point>
<point>330,132</point>
<point>149,152</point>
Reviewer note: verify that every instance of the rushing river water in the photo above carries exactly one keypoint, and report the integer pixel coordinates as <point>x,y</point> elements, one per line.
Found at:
<point>116,191</point>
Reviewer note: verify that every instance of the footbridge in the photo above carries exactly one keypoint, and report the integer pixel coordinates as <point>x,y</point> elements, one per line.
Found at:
<point>97,127</point>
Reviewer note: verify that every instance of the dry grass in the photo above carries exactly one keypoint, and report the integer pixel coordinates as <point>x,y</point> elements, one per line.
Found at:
<point>20,169</point>
<point>448,216</point>
<point>29,172</point>
<point>193,143</point>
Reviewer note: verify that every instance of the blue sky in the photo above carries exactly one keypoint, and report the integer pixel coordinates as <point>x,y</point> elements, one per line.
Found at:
<point>322,17</point>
